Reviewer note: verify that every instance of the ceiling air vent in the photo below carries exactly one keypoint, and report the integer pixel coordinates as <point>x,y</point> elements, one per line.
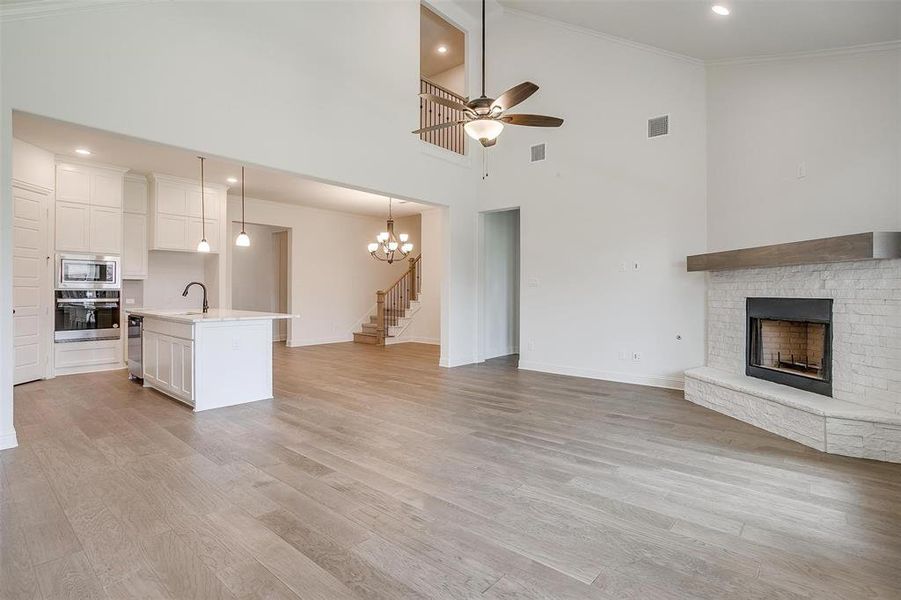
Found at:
<point>538,153</point>
<point>658,126</point>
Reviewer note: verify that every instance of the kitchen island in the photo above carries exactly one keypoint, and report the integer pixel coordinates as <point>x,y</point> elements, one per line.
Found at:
<point>208,359</point>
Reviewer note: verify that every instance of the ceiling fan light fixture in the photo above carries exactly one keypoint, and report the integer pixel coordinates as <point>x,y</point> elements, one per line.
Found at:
<point>483,129</point>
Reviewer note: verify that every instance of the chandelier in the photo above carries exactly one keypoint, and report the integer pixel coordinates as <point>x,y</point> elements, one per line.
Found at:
<point>387,245</point>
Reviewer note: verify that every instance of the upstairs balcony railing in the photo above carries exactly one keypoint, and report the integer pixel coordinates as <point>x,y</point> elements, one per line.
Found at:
<point>451,138</point>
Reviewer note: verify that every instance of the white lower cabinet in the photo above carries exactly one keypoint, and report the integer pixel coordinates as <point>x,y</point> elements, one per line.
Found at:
<point>169,365</point>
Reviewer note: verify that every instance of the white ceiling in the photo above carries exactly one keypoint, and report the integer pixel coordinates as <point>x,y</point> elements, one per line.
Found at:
<point>755,27</point>
<point>147,157</point>
<point>434,32</point>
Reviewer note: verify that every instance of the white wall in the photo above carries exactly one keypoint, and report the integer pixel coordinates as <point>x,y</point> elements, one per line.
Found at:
<point>606,196</point>
<point>453,79</point>
<point>169,273</point>
<point>318,106</point>
<point>838,116</point>
<point>500,277</point>
<point>33,165</point>
<point>255,271</point>
<point>332,279</point>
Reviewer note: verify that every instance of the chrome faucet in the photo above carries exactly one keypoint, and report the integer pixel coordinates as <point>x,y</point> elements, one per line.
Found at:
<point>206,307</point>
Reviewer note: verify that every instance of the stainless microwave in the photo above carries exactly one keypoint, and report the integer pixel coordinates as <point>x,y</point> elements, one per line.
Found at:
<point>87,272</point>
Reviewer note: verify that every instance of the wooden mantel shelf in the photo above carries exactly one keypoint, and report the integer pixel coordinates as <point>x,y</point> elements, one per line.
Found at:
<point>859,246</point>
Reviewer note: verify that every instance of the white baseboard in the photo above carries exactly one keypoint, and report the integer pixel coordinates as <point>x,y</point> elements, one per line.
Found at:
<point>456,362</point>
<point>414,339</point>
<point>673,383</point>
<point>320,341</point>
<point>8,440</point>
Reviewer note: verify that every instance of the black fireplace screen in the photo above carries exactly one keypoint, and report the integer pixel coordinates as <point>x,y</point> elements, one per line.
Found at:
<point>790,342</point>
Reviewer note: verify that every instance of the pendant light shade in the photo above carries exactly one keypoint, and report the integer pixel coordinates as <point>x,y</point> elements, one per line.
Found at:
<point>203,245</point>
<point>243,240</point>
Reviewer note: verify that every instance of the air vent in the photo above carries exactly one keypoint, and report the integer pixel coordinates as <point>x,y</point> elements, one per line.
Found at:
<point>658,126</point>
<point>538,153</point>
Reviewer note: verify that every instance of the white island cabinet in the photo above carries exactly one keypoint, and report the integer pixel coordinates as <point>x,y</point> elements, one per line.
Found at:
<point>209,360</point>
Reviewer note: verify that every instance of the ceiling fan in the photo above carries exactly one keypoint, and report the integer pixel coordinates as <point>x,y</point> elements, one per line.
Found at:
<point>484,117</point>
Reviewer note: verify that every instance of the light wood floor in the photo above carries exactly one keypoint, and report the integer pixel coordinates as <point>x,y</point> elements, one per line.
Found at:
<point>376,474</point>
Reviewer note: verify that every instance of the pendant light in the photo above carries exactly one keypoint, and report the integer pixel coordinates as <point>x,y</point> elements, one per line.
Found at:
<point>203,245</point>
<point>243,239</point>
<point>387,244</point>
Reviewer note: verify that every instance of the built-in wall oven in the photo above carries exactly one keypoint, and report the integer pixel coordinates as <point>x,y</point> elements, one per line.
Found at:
<point>87,298</point>
<point>87,315</point>
<point>87,272</point>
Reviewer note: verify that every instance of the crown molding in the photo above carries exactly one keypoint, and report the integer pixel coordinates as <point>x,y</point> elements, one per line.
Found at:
<point>874,48</point>
<point>604,36</point>
<point>38,9</point>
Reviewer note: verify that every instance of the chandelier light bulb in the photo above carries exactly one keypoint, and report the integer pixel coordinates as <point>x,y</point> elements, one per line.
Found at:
<point>203,246</point>
<point>242,240</point>
<point>372,247</point>
<point>406,248</point>
<point>483,129</point>
<point>404,237</point>
<point>383,236</point>
<point>392,246</point>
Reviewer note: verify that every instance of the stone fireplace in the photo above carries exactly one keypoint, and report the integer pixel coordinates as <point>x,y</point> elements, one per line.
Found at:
<point>811,352</point>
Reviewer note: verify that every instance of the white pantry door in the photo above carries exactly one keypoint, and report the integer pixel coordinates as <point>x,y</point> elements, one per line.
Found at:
<point>31,285</point>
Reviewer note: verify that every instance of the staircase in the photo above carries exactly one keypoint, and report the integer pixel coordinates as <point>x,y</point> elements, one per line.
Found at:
<point>394,308</point>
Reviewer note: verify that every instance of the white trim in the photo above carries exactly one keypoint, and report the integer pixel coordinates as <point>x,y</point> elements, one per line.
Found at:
<point>844,51</point>
<point>321,341</point>
<point>449,363</point>
<point>673,383</point>
<point>604,36</point>
<point>414,340</point>
<point>8,440</point>
<point>462,160</point>
<point>31,187</point>
<point>36,9</point>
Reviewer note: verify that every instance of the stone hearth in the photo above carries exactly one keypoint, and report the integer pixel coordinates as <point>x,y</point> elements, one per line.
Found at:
<point>863,418</point>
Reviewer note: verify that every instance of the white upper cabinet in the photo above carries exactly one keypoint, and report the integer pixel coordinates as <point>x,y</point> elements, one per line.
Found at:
<point>89,208</point>
<point>73,227</point>
<point>175,211</point>
<point>73,184</point>
<point>135,200</point>
<point>134,242</point>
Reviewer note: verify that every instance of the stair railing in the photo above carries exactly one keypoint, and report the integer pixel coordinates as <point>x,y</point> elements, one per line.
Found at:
<point>392,304</point>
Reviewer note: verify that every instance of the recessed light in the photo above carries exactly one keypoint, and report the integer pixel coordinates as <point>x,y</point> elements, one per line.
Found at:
<point>720,10</point>
<point>232,180</point>
<point>83,151</point>
<point>442,49</point>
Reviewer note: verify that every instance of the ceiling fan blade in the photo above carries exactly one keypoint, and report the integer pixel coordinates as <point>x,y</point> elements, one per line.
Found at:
<point>514,96</point>
<point>532,120</point>
<point>445,102</point>
<point>438,126</point>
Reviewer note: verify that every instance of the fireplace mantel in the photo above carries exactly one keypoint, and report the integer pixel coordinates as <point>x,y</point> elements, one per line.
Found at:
<point>872,245</point>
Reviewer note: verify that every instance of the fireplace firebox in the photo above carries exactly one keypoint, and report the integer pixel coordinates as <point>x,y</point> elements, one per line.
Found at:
<point>790,342</point>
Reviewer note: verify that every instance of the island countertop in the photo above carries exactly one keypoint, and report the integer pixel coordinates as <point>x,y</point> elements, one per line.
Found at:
<point>213,315</point>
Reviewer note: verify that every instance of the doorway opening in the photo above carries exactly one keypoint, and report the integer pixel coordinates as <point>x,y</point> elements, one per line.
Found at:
<point>259,278</point>
<point>500,275</point>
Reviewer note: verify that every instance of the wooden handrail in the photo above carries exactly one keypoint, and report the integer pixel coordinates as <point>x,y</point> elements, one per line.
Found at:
<point>393,302</point>
<point>454,95</point>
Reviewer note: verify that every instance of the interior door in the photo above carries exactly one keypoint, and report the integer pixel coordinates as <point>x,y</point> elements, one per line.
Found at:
<point>31,285</point>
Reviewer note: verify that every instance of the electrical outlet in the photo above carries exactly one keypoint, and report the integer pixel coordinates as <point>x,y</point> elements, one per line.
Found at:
<point>533,282</point>
<point>636,357</point>
<point>236,343</point>
<point>802,170</point>
<point>624,267</point>
<point>531,345</point>
<point>636,266</point>
<point>129,301</point>
<point>623,355</point>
